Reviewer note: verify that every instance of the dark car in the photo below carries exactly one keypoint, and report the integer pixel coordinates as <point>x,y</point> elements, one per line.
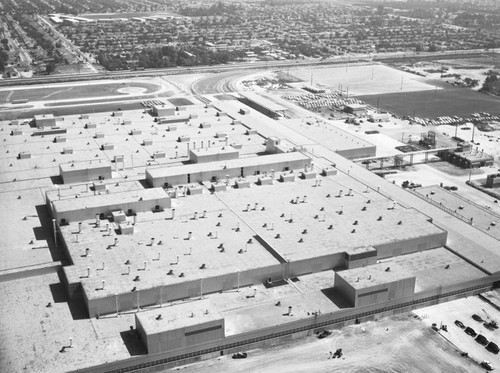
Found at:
<point>481,339</point>
<point>477,318</point>
<point>324,334</point>
<point>459,324</point>
<point>470,331</point>
<point>487,365</point>
<point>240,355</point>
<point>493,347</point>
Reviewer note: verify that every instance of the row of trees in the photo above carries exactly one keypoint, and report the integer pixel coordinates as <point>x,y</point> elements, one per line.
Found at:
<point>169,56</point>
<point>491,84</point>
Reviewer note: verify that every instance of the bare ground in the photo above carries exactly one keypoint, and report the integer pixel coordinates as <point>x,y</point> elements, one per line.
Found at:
<point>395,344</point>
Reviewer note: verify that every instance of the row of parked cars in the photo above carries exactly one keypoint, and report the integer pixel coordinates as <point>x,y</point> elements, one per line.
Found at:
<point>481,339</point>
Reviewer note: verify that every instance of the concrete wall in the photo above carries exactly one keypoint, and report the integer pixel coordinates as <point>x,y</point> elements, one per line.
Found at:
<point>200,156</point>
<point>345,288</point>
<point>316,264</point>
<point>233,172</point>
<point>433,241</point>
<point>49,121</point>
<point>286,332</point>
<point>79,175</point>
<point>162,294</point>
<point>90,212</point>
<point>385,292</point>
<point>164,341</point>
<point>160,111</point>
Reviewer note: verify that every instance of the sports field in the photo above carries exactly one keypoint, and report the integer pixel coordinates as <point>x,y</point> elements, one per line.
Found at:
<point>440,102</point>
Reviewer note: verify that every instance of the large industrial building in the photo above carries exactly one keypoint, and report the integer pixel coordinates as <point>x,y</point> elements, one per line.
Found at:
<point>229,231</point>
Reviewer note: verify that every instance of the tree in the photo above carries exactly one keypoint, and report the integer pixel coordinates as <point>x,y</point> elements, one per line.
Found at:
<point>4,58</point>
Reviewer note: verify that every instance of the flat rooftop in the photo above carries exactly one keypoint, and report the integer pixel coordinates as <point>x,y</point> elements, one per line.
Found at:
<point>482,218</point>
<point>90,165</point>
<point>263,101</point>
<point>376,274</point>
<point>180,316</point>
<point>221,226</point>
<point>354,222</point>
<point>86,147</point>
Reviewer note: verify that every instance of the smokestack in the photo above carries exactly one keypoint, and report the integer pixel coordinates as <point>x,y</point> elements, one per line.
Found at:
<point>204,214</point>
<point>190,234</point>
<point>88,271</point>
<point>152,241</point>
<point>87,250</point>
<point>116,241</point>
<point>97,220</point>
<point>195,217</point>
<point>79,227</point>
<point>290,311</point>
<point>173,214</point>
<point>103,282</point>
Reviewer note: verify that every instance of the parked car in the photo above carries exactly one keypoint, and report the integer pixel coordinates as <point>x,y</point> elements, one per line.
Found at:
<point>487,365</point>
<point>493,347</point>
<point>324,333</point>
<point>477,318</point>
<point>470,331</point>
<point>459,324</point>
<point>240,355</point>
<point>481,339</point>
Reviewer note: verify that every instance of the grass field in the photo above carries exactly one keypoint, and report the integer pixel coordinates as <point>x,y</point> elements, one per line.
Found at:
<point>74,91</point>
<point>444,102</point>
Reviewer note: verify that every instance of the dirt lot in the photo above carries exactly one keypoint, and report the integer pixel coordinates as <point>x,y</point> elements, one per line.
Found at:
<point>397,344</point>
<point>362,79</point>
<point>462,310</point>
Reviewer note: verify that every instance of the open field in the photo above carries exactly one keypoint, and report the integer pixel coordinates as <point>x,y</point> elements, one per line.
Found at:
<point>396,344</point>
<point>88,90</point>
<point>445,102</point>
<point>361,79</point>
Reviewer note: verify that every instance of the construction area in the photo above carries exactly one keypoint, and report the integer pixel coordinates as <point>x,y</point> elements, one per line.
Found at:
<point>157,237</point>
